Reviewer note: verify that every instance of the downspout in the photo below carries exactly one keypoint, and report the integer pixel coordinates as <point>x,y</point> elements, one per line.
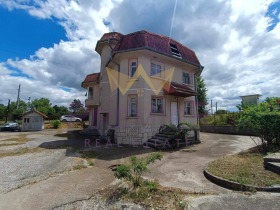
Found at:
<point>178,113</point>
<point>118,91</point>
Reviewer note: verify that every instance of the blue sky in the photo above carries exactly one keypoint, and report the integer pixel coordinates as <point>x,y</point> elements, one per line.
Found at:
<point>50,44</point>
<point>22,35</point>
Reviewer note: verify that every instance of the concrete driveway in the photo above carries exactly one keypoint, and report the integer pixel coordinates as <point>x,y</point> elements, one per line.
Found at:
<point>184,168</point>
<point>65,189</point>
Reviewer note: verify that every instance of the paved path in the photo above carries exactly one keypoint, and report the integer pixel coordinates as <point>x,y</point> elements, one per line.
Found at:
<point>237,201</point>
<point>184,168</point>
<point>58,190</point>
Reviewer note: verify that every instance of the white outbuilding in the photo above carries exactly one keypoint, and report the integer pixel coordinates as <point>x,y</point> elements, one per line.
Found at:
<point>33,121</point>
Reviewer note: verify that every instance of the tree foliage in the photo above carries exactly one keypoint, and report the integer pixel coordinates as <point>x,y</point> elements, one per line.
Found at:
<point>42,105</point>
<point>2,111</point>
<point>265,122</point>
<point>221,111</point>
<point>76,106</point>
<point>202,96</point>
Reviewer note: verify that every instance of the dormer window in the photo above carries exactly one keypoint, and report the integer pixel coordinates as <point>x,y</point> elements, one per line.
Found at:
<point>174,50</point>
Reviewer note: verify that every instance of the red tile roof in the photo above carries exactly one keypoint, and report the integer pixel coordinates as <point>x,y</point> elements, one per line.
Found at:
<point>40,113</point>
<point>147,40</point>
<point>92,78</point>
<point>179,90</point>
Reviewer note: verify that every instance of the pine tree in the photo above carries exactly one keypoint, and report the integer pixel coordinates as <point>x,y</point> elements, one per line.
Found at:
<point>202,97</point>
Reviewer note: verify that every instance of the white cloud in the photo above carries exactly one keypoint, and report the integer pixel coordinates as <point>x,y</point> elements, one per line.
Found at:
<point>4,70</point>
<point>230,39</point>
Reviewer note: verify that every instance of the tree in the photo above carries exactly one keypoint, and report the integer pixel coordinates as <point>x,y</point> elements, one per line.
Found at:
<point>202,96</point>
<point>76,106</point>
<point>221,111</point>
<point>59,111</point>
<point>264,122</point>
<point>43,105</point>
<point>17,113</point>
<point>2,111</point>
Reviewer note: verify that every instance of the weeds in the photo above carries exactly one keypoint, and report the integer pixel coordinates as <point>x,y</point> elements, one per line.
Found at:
<point>133,171</point>
<point>244,168</point>
<point>78,167</point>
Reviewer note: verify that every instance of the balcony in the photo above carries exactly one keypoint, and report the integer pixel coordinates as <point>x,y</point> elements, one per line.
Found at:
<point>91,102</point>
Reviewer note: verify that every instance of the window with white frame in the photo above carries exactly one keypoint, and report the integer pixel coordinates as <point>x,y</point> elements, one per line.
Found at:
<point>157,105</point>
<point>132,67</point>
<point>188,107</point>
<point>132,105</point>
<point>156,69</point>
<point>186,78</point>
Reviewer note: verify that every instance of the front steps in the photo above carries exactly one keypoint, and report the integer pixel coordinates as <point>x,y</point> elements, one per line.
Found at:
<point>272,162</point>
<point>168,139</point>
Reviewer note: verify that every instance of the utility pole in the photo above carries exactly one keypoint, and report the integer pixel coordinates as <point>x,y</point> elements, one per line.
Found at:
<point>18,96</point>
<point>211,107</point>
<point>7,111</point>
<point>29,104</point>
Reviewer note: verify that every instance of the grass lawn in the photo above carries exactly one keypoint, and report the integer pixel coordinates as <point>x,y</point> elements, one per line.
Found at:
<point>244,168</point>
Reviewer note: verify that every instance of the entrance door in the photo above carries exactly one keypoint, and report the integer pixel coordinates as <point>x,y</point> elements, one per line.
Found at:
<point>174,113</point>
<point>105,123</point>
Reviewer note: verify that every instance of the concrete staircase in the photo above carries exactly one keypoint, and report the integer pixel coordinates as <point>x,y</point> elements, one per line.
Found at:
<point>272,162</point>
<point>168,139</point>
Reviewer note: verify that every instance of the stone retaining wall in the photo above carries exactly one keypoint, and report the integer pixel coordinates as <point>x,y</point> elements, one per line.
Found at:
<point>226,130</point>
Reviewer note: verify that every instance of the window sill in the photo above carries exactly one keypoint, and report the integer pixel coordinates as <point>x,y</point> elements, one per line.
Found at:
<point>155,77</point>
<point>157,114</point>
<point>132,117</point>
<point>189,115</point>
<point>190,85</point>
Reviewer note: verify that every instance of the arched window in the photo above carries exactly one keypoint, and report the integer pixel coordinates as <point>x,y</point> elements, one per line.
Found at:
<point>132,67</point>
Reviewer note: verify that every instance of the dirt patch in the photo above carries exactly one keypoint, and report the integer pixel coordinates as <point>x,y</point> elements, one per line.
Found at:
<point>20,151</point>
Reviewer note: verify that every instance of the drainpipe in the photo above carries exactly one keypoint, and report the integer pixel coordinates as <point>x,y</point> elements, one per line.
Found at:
<point>177,99</point>
<point>118,91</point>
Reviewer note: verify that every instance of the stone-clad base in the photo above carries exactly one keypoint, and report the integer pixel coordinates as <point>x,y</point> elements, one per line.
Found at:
<point>134,134</point>
<point>237,186</point>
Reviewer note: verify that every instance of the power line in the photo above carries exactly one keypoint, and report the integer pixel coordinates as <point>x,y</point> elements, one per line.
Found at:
<point>174,11</point>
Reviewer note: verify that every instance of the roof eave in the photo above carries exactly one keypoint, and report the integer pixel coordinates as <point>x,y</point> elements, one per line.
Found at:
<point>151,49</point>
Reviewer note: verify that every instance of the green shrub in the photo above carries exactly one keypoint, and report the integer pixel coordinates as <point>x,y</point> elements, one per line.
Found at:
<point>266,126</point>
<point>133,171</point>
<point>55,124</point>
<point>152,186</point>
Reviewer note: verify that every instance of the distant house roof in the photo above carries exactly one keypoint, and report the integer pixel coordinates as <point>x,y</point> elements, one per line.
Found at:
<point>40,113</point>
<point>154,42</point>
<point>253,95</point>
<point>95,77</point>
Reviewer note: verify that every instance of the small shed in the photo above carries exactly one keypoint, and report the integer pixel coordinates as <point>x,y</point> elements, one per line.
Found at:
<point>33,121</point>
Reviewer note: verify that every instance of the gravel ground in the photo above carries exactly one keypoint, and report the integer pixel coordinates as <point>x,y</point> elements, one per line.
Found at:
<point>20,170</point>
<point>35,164</point>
